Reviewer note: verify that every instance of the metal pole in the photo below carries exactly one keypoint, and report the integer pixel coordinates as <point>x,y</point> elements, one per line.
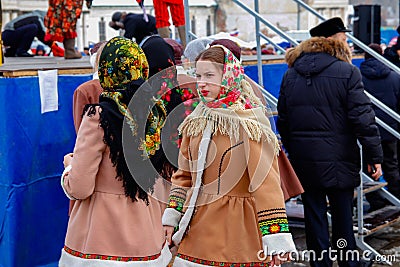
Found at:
<point>355,40</point>
<point>383,107</point>
<point>373,53</point>
<point>310,9</point>
<point>1,41</point>
<point>298,16</point>
<point>273,43</point>
<point>387,128</point>
<point>270,25</point>
<point>259,60</point>
<point>371,39</point>
<point>360,204</point>
<point>188,25</point>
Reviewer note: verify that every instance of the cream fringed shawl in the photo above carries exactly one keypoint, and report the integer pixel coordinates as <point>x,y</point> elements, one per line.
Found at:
<point>228,122</point>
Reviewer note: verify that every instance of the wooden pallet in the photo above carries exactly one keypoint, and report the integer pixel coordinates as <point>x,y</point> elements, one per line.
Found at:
<point>20,66</point>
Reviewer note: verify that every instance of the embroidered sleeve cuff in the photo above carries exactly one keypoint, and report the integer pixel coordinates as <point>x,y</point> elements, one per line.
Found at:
<point>273,226</point>
<point>280,243</point>
<point>63,175</point>
<point>171,217</point>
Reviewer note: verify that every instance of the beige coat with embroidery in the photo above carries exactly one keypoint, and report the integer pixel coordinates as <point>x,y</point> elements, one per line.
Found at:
<point>239,191</point>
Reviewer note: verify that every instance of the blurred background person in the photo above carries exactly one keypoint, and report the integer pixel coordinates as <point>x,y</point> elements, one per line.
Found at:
<point>384,84</point>
<point>86,51</point>
<point>268,49</point>
<point>195,47</point>
<point>392,53</point>
<point>178,50</point>
<point>40,51</point>
<point>19,33</point>
<point>177,11</point>
<point>60,22</point>
<point>134,25</point>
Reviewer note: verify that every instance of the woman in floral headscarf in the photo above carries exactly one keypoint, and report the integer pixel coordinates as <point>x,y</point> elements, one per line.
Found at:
<point>115,221</point>
<point>232,212</point>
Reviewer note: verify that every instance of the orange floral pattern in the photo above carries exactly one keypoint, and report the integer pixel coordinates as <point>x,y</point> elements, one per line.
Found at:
<point>61,19</point>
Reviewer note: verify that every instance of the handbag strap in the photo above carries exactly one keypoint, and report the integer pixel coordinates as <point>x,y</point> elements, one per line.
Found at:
<point>201,160</point>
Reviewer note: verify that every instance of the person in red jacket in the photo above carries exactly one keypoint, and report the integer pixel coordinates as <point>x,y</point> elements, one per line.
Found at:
<point>176,9</point>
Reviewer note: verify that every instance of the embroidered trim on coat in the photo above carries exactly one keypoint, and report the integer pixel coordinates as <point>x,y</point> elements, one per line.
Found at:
<point>105,257</point>
<point>216,263</point>
<point>220,164</point>
<point>274,226</point>
<point>176,202</point>
<point>270,212</point>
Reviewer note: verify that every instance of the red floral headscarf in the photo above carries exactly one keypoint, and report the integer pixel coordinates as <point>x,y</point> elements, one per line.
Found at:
<point>232,85</point>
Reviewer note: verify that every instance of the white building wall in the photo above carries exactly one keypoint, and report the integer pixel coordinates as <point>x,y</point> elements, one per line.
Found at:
<point>224,15</point>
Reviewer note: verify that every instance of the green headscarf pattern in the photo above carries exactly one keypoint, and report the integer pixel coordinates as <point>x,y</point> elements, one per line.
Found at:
<point>121,62</point>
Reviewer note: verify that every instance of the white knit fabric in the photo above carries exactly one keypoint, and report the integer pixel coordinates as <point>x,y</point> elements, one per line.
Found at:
<point>171,217</point>
<point>65,172</point>
<point>202,154</point>
<point>279,243</point>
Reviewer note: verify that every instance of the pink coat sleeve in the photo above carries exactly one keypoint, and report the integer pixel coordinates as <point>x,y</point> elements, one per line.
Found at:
<point>88,153</point>
<point>79,101</point>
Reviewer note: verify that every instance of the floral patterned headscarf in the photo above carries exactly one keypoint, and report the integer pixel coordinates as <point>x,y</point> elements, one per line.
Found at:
<point>235,91</point>
<point>121,62</point>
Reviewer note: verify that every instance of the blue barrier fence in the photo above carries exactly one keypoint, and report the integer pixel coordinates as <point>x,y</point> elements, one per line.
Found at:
<point>273,73</point>
<point>33,208</point>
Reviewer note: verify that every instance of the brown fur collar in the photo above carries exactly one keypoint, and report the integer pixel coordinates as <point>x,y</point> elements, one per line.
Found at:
<point>332,47</point>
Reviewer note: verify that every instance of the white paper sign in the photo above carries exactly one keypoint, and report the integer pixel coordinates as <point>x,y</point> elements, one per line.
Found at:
<point>48,90</point>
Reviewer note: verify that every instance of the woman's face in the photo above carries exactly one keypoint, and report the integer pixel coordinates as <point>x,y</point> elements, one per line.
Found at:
<point>209,77</point>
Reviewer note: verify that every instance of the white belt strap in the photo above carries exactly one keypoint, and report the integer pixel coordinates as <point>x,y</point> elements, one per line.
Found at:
<point>201,160</point>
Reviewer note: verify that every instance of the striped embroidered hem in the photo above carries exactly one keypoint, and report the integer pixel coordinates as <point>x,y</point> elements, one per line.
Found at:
<point>112,258</point>
<point>183,260</point>
<point>69,260</point>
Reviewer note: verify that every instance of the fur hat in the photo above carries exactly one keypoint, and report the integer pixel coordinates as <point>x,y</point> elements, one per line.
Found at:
<point>329,28</point>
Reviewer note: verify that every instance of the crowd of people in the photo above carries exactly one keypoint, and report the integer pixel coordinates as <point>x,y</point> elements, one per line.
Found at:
<point>102,183</point>
<point>59,24</point>
<point>206,188</point>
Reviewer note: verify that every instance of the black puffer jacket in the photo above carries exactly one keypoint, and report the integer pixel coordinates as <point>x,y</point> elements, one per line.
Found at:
<point>384,84</point>
<point>322,112</point>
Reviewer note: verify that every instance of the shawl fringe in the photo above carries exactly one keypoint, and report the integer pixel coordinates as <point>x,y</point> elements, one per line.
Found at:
<point>229,122</point>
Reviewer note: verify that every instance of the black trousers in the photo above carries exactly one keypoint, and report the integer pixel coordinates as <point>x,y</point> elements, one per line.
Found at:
<point>391,174</point>
<point>317,228</point>
<point>19,40</point>
<point>390,167</point>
